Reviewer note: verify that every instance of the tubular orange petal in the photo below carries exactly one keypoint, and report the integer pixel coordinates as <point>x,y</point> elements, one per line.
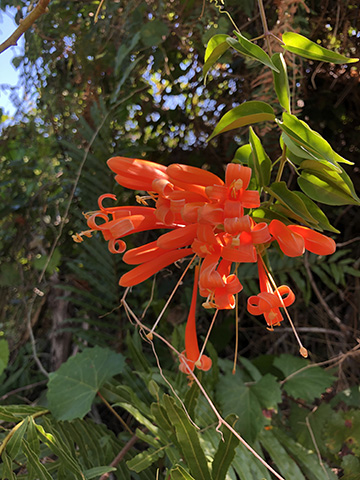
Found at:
<point>241,254</point>
<point>146,270</point>
<point>190,211</point>
<point>260,234</point>
<point>236,225</point>
<point>250,199</point>
<point>286,294</point>
<point>209,277</point>
<point>235,172</point>
<point>233,208</point>
<point>162,186</point>
<point>191,342</point>
<point>136,174</point>
<point>142,254</point>
<point>181,237</point>
<point>315,242</point>
<point>211,213</point>
<point>192,175</point>
<point>291,243</point>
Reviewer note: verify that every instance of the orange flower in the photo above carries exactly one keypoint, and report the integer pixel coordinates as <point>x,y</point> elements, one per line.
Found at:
<point>190,357</point>
<point>268,301</point>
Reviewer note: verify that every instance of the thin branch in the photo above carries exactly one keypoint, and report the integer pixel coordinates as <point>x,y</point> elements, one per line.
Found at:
<point>25,24</point>
<point>121,455</point>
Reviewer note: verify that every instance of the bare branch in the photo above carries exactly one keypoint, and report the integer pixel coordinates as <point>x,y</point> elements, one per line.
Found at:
<point>25,24</point>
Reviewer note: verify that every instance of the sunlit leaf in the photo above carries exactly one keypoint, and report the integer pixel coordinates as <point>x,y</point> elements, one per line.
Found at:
<point>72,388</point>
<point>216,47</point>
<point>250,49</point>
<point>281,81</point>
<point>309,140</point>
<point>291,201</point>
<point>317,213</point>
<point>302,46</point>
<point>245,114</point>
<point>145,459</point>
<point>14,443</point>
<point>261,161</point>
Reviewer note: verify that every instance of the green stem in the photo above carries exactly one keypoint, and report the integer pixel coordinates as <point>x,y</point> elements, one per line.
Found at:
<point>281,166</point>
<point>265,25</point>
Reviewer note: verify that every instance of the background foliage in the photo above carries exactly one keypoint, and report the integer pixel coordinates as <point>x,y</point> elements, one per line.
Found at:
<point>131,84</point>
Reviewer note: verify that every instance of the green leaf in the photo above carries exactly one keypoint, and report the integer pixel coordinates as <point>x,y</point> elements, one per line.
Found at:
<point>249,49</point>
<point>14,443</point>
<point>267,390</point>
<point>308,462</point>
<point>72,388</point>
<point>216,47</point>
<point>351,467</point>
<point>226,451</point>
<point>4,354</point>
<point>303,380</point>
<point>281,81</point>
<point>188,439</point>
<point>98,471</point>
<point>237,398</point>
<point>39,263</point>
<point>308,140</point>
<point>14,413</point>
<point>323,191</point>
<point>243,155</point>
<point>34,462</point>
<point>261,162</point>
<point>7,470</point>
<point>245,114</point>
<point>317,213</point>
<point>145,459</point>
<point>179,473</point>
<point>295,43</point>
<point>291,201</point>
<point>191,398</point>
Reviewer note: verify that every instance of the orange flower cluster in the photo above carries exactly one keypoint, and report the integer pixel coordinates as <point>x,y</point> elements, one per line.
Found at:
<point>207,217</point>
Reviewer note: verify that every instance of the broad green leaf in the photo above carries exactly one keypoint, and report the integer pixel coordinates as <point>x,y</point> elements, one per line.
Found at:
<point>237,398</point>
<point>245,114</point>
<point>179,473</point>
<point>14,443</point>
<point>98,471</point>
<point>281,81</point>
<point>243,155</point>
<point>351,467</point>
<point>216,47</point>
<point>261,161</point>
<point>309,462</point>
<point>295,43</point>
<point>267,390</point>
<point>350,396</point>
<point>251,369</point>
<point>72,388</point>
<point>302,135</point>
<point>247,466</point>
<point>250,49</point>
<point>291,201</point>
<point>317,213</point>
<point>225,452</point>
<point>323,191</point>
<point>34,462</point>
<point>191,398</point>
<point>284,462</point>
<point>343,427</point>
<point>339,178</point>
<point>188,439</point>
<point>145,459</point>
<point>303,380</point>
<point>4,354</point>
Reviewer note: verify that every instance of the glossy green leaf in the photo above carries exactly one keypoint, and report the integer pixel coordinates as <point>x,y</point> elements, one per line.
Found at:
<point>225,452</point>
<point>338,177</point>
<point>245,114</point>
<point>261,161</point>
<point>72,388</point>
<point>317,213</point>
<point>179,473</point>
<point>302,46</point>
<point>303,380</point>
<point>249,49</point>
<point>281,81</point>
<point>291,201</point>
<point>4,354</point>
<point>34,462</point>
<point>323,191</point>
<point>303,136</point>
<point>188,440</point>
<point>216,47</point>
<point>243,155</point>
<point>14,443</point>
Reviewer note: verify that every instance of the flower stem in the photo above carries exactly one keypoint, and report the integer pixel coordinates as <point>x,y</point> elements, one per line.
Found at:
<point>265,26</point>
